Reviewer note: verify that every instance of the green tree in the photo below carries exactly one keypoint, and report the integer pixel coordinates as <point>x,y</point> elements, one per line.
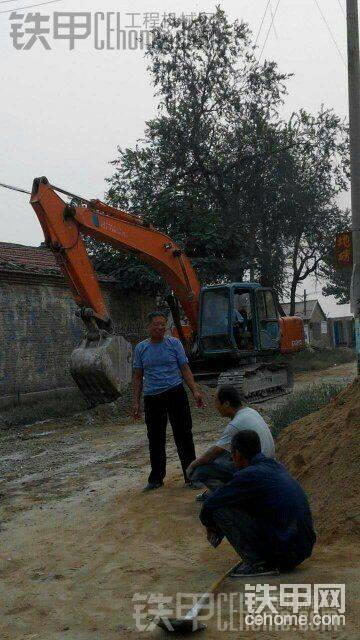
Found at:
<point>337,280</point>
<point>220,172</point>
<point>317,172</point>
<point>338,283</point>
<point>195,174</point>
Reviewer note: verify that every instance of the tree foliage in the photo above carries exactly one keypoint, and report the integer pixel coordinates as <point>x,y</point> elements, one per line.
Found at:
<point>338,280</point>
<point>338,283</point>
<point>318,172</point>
<point>220,171</point>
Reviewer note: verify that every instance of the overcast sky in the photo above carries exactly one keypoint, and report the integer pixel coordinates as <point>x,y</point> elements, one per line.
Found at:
<point>64,112</point>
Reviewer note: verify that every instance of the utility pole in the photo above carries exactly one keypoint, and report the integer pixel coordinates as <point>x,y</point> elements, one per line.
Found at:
<point>304,303</point>
<point>354,117</point>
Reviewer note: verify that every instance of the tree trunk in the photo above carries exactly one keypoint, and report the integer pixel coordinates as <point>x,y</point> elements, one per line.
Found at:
<point>293,296</point>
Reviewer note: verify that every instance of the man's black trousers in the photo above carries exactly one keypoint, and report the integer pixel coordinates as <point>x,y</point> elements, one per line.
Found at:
<point>172,404</point>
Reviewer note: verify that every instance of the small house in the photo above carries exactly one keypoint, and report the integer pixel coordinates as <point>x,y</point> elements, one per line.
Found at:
<point>315,322</point>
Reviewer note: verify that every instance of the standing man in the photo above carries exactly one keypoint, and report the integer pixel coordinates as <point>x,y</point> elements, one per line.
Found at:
<point>160,368</point>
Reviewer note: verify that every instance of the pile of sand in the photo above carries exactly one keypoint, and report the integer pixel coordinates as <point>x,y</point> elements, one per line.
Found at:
<point>323,452</point>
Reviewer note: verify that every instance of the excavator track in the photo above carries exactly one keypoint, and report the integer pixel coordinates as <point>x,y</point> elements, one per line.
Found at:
<point>260,382</point>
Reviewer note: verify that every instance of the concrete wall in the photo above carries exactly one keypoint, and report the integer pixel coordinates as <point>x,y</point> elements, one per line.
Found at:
<point>39,329</point>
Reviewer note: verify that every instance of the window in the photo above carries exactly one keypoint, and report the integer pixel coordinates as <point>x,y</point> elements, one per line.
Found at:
<point>215,312</point>
<point>266,305</point>
<point>261,305</point>
<point>269,330</point>
<point>242,320</point>
<point>271,312</point>
<point>242,302</point>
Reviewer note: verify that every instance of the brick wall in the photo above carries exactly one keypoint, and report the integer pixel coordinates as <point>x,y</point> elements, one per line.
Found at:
<point>39,329</point>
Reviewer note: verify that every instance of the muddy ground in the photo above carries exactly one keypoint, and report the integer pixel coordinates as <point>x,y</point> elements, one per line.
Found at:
<point>78,540</point>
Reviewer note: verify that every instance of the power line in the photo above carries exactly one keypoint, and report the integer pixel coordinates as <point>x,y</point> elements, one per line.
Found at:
<point>262,22</point>
<point>29,6</point>
<point>66,193</point>
<point>342,8</point>
<point>9,186</point>
<point>268,33</point>
<point>272,15</point>
<point>330,32</point>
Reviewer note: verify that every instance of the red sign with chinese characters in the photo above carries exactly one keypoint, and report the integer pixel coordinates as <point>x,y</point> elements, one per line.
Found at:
<point>343,250</point>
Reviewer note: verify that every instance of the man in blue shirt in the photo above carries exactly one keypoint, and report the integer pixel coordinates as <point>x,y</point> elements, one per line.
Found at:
<point>263,512</point>
<point>160,367</point>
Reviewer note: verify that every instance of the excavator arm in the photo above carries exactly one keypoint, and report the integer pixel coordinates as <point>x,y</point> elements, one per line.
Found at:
<point>96,365</point>
<point>64,225</point>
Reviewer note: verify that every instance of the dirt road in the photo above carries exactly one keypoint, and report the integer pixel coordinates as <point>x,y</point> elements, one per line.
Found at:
<point>78,540</point>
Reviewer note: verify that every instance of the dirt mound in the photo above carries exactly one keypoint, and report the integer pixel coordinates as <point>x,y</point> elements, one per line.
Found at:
<point>323,452</point>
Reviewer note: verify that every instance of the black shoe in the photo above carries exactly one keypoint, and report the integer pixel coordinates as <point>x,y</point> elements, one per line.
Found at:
<point>201,497</point>
<point>192,484</point>
<point>216,539</point>
<point>151,486</point>
<point>248,570</point>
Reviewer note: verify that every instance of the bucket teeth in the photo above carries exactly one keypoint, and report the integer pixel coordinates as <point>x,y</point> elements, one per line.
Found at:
<point>102,368</point>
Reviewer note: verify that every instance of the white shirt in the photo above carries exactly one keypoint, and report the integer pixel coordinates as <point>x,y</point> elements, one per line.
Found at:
<point>248,418</point>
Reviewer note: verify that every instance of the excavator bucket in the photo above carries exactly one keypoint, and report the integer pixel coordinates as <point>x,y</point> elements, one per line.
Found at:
<point>102,368</point>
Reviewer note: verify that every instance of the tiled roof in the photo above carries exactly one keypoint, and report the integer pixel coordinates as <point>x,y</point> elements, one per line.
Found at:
<point>340,312</point>
<point>32,260</point>
<point>299,308</point>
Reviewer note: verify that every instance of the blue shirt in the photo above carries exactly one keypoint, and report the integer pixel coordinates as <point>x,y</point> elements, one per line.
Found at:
<point>267,492</point>
<point>160,363</point>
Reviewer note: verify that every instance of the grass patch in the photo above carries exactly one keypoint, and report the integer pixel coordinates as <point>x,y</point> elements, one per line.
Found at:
<point>316,360</point>
<point>42,409</point>
<point>302,403</point>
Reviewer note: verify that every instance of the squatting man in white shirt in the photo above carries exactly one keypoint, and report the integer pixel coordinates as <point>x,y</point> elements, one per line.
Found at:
<point>215,467</point>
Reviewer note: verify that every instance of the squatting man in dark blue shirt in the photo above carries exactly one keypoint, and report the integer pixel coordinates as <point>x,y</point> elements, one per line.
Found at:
<point>263,512</point>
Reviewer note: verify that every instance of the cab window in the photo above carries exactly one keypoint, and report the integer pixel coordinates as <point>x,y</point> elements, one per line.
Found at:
<point>269,331</point>
<point>242,320</point>
<point>271,313</point>
<point>215,315</point>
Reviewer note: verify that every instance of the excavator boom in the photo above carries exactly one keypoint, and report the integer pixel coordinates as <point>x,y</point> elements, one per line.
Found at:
<point>63,226</point>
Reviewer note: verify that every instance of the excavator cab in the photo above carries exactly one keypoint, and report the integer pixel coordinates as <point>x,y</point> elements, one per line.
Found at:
<point>238,319</point>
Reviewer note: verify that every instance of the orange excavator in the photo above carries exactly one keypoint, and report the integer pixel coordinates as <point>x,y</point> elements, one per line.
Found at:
<point>233,333</point>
